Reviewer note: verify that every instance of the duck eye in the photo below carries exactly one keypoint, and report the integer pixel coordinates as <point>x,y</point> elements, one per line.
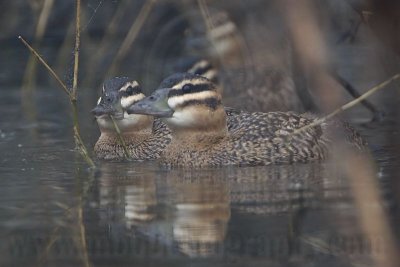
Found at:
<point>108,99</point>
<point>129,90</point>
<point>187,87</point>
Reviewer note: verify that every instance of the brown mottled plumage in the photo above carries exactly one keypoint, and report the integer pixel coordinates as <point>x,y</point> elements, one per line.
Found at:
<point>191,107</point>
<point>144,136</point>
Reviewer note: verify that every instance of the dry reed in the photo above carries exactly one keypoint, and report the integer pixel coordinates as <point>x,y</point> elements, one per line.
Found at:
<point>131,36</point>
<point>313,54</point>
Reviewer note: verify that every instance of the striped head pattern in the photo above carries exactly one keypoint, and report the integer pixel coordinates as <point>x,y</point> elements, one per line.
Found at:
<point>185,100</point>
<point>118,94</point>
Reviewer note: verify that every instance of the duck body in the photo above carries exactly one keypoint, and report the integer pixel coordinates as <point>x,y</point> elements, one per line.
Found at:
<point>142,145</point>
<point>204,133</point>
<point>144,137</point>
<point>252,139</point>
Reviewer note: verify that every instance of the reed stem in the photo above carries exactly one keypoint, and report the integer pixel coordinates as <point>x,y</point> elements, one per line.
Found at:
<point>72,94</point>
<point>76,51</point>
<point>349,104</point>
<point>120,139</point>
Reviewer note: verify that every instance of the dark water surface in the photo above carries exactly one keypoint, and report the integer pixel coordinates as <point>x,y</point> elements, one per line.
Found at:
<point>56,212</point>
<point>138,214</point>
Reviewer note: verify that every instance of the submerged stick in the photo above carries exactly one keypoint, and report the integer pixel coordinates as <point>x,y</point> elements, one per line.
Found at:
<point>120,139</point>
<point>349,104</point>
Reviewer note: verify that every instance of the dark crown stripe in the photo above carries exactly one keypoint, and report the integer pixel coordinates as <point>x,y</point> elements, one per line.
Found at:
<point>202,70</point>
<point>210,102</point>
<point>196,88</point>
<point>134,91</point>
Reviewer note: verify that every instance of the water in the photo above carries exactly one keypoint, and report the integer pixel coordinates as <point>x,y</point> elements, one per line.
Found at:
<point>54,211</point>
<point>140,214</point>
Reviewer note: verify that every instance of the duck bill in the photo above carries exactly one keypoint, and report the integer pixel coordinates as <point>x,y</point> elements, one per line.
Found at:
<point>154,105</point>
<point>102,111</point>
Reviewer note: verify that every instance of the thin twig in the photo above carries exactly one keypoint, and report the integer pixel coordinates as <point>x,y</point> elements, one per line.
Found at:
<point>348,105</point>
<point>120,139</point>
<point>64,87</point>
<point>78,140</point>
<point>354,93</point>
<point>73,96</point>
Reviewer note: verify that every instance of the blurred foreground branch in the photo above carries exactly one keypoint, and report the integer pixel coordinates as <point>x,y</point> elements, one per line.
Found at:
<point>313,55</point>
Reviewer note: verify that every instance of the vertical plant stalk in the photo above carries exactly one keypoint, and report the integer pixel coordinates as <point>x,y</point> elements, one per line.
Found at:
<point>131,36</point>
<point>78,140</point>
<point>30,70</point>
<point>120,139</point>
<point>82,236</point>
<point>76,50</point>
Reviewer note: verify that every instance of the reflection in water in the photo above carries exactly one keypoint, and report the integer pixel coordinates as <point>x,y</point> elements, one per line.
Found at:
<point>130,192</point>
<point>190,211</point>
<point>140,199</point>
<point>202,211</point>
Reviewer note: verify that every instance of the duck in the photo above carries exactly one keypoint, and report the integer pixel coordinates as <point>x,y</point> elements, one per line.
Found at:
<point>144,136</point>
<point>203,134</point>
<point>265,89</point>
<point>255,71</point>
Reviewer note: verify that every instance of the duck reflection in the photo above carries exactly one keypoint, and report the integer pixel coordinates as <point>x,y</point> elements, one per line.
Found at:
<point>127,193</point>
<point>192,212</point>
<point>202,211</point>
